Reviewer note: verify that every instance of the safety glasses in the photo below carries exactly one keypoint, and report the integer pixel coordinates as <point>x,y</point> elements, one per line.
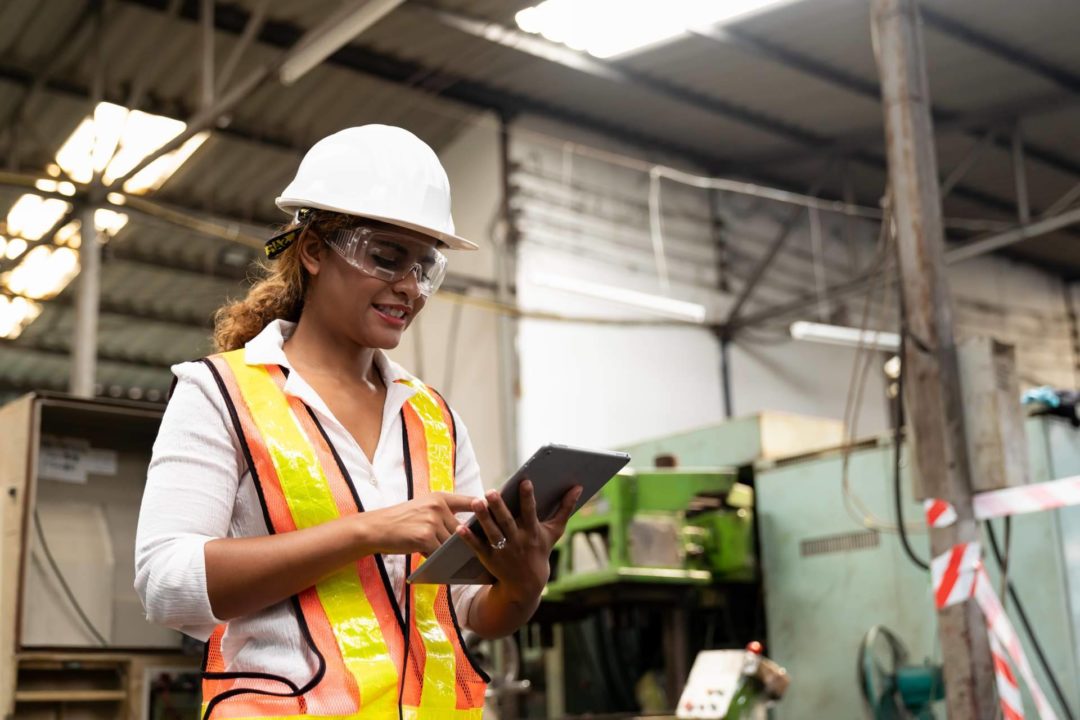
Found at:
<point>390,256</point>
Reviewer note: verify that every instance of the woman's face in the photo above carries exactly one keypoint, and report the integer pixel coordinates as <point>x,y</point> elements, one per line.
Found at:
<point>366,310</point>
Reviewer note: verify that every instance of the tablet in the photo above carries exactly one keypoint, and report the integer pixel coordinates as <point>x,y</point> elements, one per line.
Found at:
<point>553,470</point>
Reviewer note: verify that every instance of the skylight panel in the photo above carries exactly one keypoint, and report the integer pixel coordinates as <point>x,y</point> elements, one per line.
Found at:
<point>613,28</point>
<point>115,140</point>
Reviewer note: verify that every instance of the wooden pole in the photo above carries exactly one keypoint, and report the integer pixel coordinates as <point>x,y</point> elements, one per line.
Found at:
<point>932,382</point>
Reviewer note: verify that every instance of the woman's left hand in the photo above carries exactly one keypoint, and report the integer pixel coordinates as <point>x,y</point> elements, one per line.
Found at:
<point>518,551</point>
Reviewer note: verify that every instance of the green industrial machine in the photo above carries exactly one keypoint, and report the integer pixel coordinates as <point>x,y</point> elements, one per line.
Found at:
<point>682,527</point>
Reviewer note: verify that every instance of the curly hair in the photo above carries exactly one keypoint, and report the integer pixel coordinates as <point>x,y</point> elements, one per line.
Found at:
<point>278,295</point>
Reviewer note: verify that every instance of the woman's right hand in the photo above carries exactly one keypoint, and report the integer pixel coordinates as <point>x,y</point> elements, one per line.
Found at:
<point>419,525</point>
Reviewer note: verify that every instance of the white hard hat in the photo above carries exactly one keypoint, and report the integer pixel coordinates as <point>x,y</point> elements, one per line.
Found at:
<point>380,172</point>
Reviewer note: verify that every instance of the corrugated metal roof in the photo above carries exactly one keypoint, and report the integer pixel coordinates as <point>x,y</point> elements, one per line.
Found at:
<point>443,78</point>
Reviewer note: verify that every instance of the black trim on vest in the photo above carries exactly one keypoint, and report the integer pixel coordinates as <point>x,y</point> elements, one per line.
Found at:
<point>360,506</point>
<point>461,639</point>
<point>295,599</point>
<point>408,591</point>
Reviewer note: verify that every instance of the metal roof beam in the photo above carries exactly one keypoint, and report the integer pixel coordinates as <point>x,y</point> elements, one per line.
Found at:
<point>25,78</point>
<point>1001,49</point>
<point>142,361</point>
<point>845,80</point>
<point>232,19</point>
<point>616,72</point>
<point>818,145</point>
<point>872,278</point>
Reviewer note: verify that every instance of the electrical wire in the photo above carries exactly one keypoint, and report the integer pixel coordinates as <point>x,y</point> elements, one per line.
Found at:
<point>1026,623</point>
<point>64,584</point>
<point>859,511</point>
<point>1002,593</point>
<point>898,437</point>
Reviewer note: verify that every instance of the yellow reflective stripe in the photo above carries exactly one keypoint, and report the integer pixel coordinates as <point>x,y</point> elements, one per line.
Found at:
<point>307,493</point>
<point>440,441</point>
<point>426,713</point>
<point>440,674</point>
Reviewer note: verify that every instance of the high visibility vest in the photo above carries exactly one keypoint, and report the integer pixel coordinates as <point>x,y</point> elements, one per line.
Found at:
<point>376,660</point>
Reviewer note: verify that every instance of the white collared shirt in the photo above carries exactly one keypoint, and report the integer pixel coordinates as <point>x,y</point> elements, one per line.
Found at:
<point>198,488</point>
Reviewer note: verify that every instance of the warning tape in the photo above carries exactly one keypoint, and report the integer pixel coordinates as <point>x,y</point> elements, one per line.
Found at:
<point>1027,498</point>
<point>1018,500</point>
<point>939,513</point>
<point>958,575</point>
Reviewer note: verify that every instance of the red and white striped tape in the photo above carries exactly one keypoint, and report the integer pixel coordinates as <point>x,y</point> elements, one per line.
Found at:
<point>999,626</point>
<point>953,574</point>
<point>1012,704</point>
<point>939,513</point>
<point>1027,498</point>
<point>958,575</point>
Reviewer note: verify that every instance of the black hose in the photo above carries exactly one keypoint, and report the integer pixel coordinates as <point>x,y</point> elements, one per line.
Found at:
<point>898,438</point>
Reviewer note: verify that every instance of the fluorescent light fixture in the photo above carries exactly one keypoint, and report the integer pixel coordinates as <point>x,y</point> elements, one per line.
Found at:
<point>609,28</point>
<point>337,31</point>
<point>44,272</point>
<point>15,314</point>
<point>845,336</point>
<point>656,304</point>
<point>32,215</point>
<point>114,140</point>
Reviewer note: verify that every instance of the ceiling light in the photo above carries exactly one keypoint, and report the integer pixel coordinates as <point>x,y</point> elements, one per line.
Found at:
<point>657,304</point>
<point>608,28</point>
<point>15,248</point>
<point>15,314</point>
<point>53,169</point>
<point>45,185</point>
<point>32,215</point>
<point>66,188</point>
<point>44,272</point>
<point>66,234</point>
<point>116,198</point>
<point>156,173</point>
<point>892,367</point>
<point>109,221</point>
<point>845,336</point>
<point>114,140</point>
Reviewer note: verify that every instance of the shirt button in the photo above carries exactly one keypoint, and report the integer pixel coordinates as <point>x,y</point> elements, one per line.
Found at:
<point>373,480</point>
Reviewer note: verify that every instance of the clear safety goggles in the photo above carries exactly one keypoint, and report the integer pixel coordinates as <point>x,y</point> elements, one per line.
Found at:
<point>390,256</point>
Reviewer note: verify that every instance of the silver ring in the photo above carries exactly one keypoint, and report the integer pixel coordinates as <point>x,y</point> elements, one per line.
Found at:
<point>499,545</point>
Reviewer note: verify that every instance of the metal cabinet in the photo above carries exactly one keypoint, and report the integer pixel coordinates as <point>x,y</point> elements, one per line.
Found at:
<point>72,629</point>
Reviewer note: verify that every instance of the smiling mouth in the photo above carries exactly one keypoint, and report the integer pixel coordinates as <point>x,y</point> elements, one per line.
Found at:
<point>396,312</point>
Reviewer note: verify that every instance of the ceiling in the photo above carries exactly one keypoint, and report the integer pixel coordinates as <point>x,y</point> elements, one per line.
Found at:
<point>772,98</point>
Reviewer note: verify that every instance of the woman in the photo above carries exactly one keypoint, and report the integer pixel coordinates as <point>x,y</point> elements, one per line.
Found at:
<point>300,475</point>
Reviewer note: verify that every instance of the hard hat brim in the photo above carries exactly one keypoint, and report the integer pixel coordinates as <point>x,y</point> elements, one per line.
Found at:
<point>451,241</point>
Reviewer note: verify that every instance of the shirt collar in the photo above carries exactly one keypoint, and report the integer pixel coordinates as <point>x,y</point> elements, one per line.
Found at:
<point>268,348</point>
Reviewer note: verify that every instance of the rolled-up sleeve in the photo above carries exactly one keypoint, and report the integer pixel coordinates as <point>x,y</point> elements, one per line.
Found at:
<point>467,481</point>
<point>188,500</point>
